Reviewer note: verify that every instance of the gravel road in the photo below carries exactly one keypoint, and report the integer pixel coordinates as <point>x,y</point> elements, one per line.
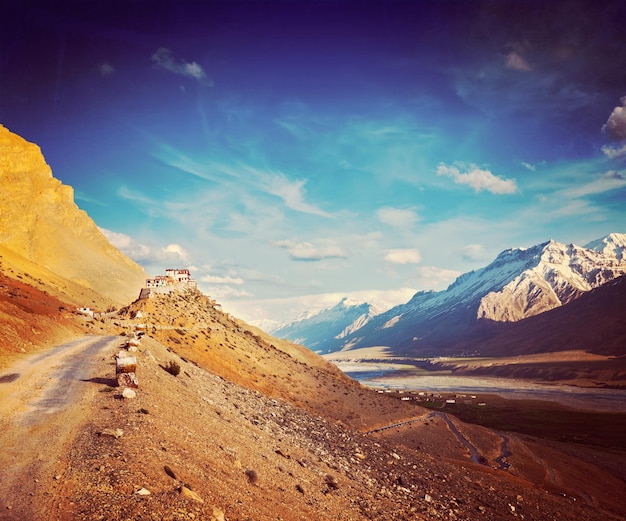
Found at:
<point>44,397</point>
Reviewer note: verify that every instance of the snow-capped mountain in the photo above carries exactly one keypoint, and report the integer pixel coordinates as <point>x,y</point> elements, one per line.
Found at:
<point>519,283</point>
<point>313,330</point>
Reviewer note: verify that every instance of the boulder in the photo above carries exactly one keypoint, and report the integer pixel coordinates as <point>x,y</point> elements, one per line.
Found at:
<point>128,393</point>
<point>127,380</point>
<point>127,364</point>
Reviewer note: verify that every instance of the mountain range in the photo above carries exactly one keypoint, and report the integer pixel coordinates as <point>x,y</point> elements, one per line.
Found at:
<point>521,283</point>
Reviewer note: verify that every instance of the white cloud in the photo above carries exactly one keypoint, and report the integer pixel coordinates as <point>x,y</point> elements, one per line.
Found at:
<point>223,291</point>
<point>292,194</point>
<point>529,166</point>
<point>472,252</point>
<point>397,217</point>
<point>478,179</point>
<point>142,253</point>
<point>164,59</point>
<point>215,279</point>
<point>127,245</point>
<point>616,124</point>
<point>175,250</point>
<point>433,277</point>
<point>614,152</point>
<point>305,251</point>
<point>514,60</point>
<point>403,256</point>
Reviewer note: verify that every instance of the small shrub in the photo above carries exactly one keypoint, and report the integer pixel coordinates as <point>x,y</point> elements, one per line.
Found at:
<point>252,476</point>
<point>173,368</point>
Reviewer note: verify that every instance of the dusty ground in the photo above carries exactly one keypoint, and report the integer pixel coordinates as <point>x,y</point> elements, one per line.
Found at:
<point>255,429</point>
<point>206,448</point>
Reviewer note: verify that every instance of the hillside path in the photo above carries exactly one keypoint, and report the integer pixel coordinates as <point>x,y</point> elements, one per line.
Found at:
<point>44,398</point>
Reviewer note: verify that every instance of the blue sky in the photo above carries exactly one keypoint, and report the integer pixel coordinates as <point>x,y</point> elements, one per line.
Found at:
<point>294,152</point>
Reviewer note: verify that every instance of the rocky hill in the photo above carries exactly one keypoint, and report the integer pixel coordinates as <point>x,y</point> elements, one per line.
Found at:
<point>195,327</point>
<point>256,428</point>
<point>45,235</point>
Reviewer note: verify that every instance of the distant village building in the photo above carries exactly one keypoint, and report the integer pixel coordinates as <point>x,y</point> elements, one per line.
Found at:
<point>86,311</point>
<point>173,280</point>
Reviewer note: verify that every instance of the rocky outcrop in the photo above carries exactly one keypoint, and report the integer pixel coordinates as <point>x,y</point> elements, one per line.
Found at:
<point>41,223</point>
<point>561,274</point>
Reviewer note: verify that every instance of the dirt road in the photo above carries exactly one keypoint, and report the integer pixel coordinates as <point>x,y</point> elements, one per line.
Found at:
<point>43,400</point>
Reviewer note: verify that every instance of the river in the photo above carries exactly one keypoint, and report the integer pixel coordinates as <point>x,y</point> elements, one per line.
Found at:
<point>596,399</point>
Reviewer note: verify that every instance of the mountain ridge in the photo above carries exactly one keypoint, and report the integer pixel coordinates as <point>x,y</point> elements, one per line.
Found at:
<point>518,284</point>
<point>44,226</point>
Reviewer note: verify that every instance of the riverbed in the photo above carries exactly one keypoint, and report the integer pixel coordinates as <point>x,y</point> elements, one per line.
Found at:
<point>380,376</point>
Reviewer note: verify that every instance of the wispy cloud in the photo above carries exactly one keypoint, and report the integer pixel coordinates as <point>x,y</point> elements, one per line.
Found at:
<point>397,217</point>
<point>164,59</point>
<point>403,256</point>
<point>142,253</point>
<point>435,278</point>
<point>611,180</point>
<point>472,252</point>
<point>215,279</point>
<point>239,176</point>
<point>614,152</point>
<point>306,251</point>
<point>514,60</point>
<point>478,179</point>
<point>291,192</point>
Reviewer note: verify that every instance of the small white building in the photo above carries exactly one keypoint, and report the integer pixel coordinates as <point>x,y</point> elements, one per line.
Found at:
<point>86,311</point>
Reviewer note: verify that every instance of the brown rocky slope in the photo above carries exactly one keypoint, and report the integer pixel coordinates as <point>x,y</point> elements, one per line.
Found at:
<point>255,429</point>
<point>42,230</point>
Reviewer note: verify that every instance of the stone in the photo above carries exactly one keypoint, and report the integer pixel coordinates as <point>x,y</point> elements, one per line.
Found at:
<point>142,492</point>
<point>127,380</point>
<point>112,433</point>
<point>218,514</point>
<point>190,494</point>
<point>128,393</point>
<point>126,364</point>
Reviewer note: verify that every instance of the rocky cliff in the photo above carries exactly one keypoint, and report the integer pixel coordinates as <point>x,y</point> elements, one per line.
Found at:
<point>41,225</point>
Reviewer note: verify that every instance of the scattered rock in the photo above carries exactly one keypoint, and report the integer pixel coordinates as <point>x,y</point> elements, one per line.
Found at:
<point>127,380</point>
<point>142,492</point>
<point>218,514</point>
<point>169,471</point>
<point>299,488</point>
<point>128,393</point>
<point>190,494</point>
<point>125,364</point>
<point>331,482</point>
<point>112,433</point>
